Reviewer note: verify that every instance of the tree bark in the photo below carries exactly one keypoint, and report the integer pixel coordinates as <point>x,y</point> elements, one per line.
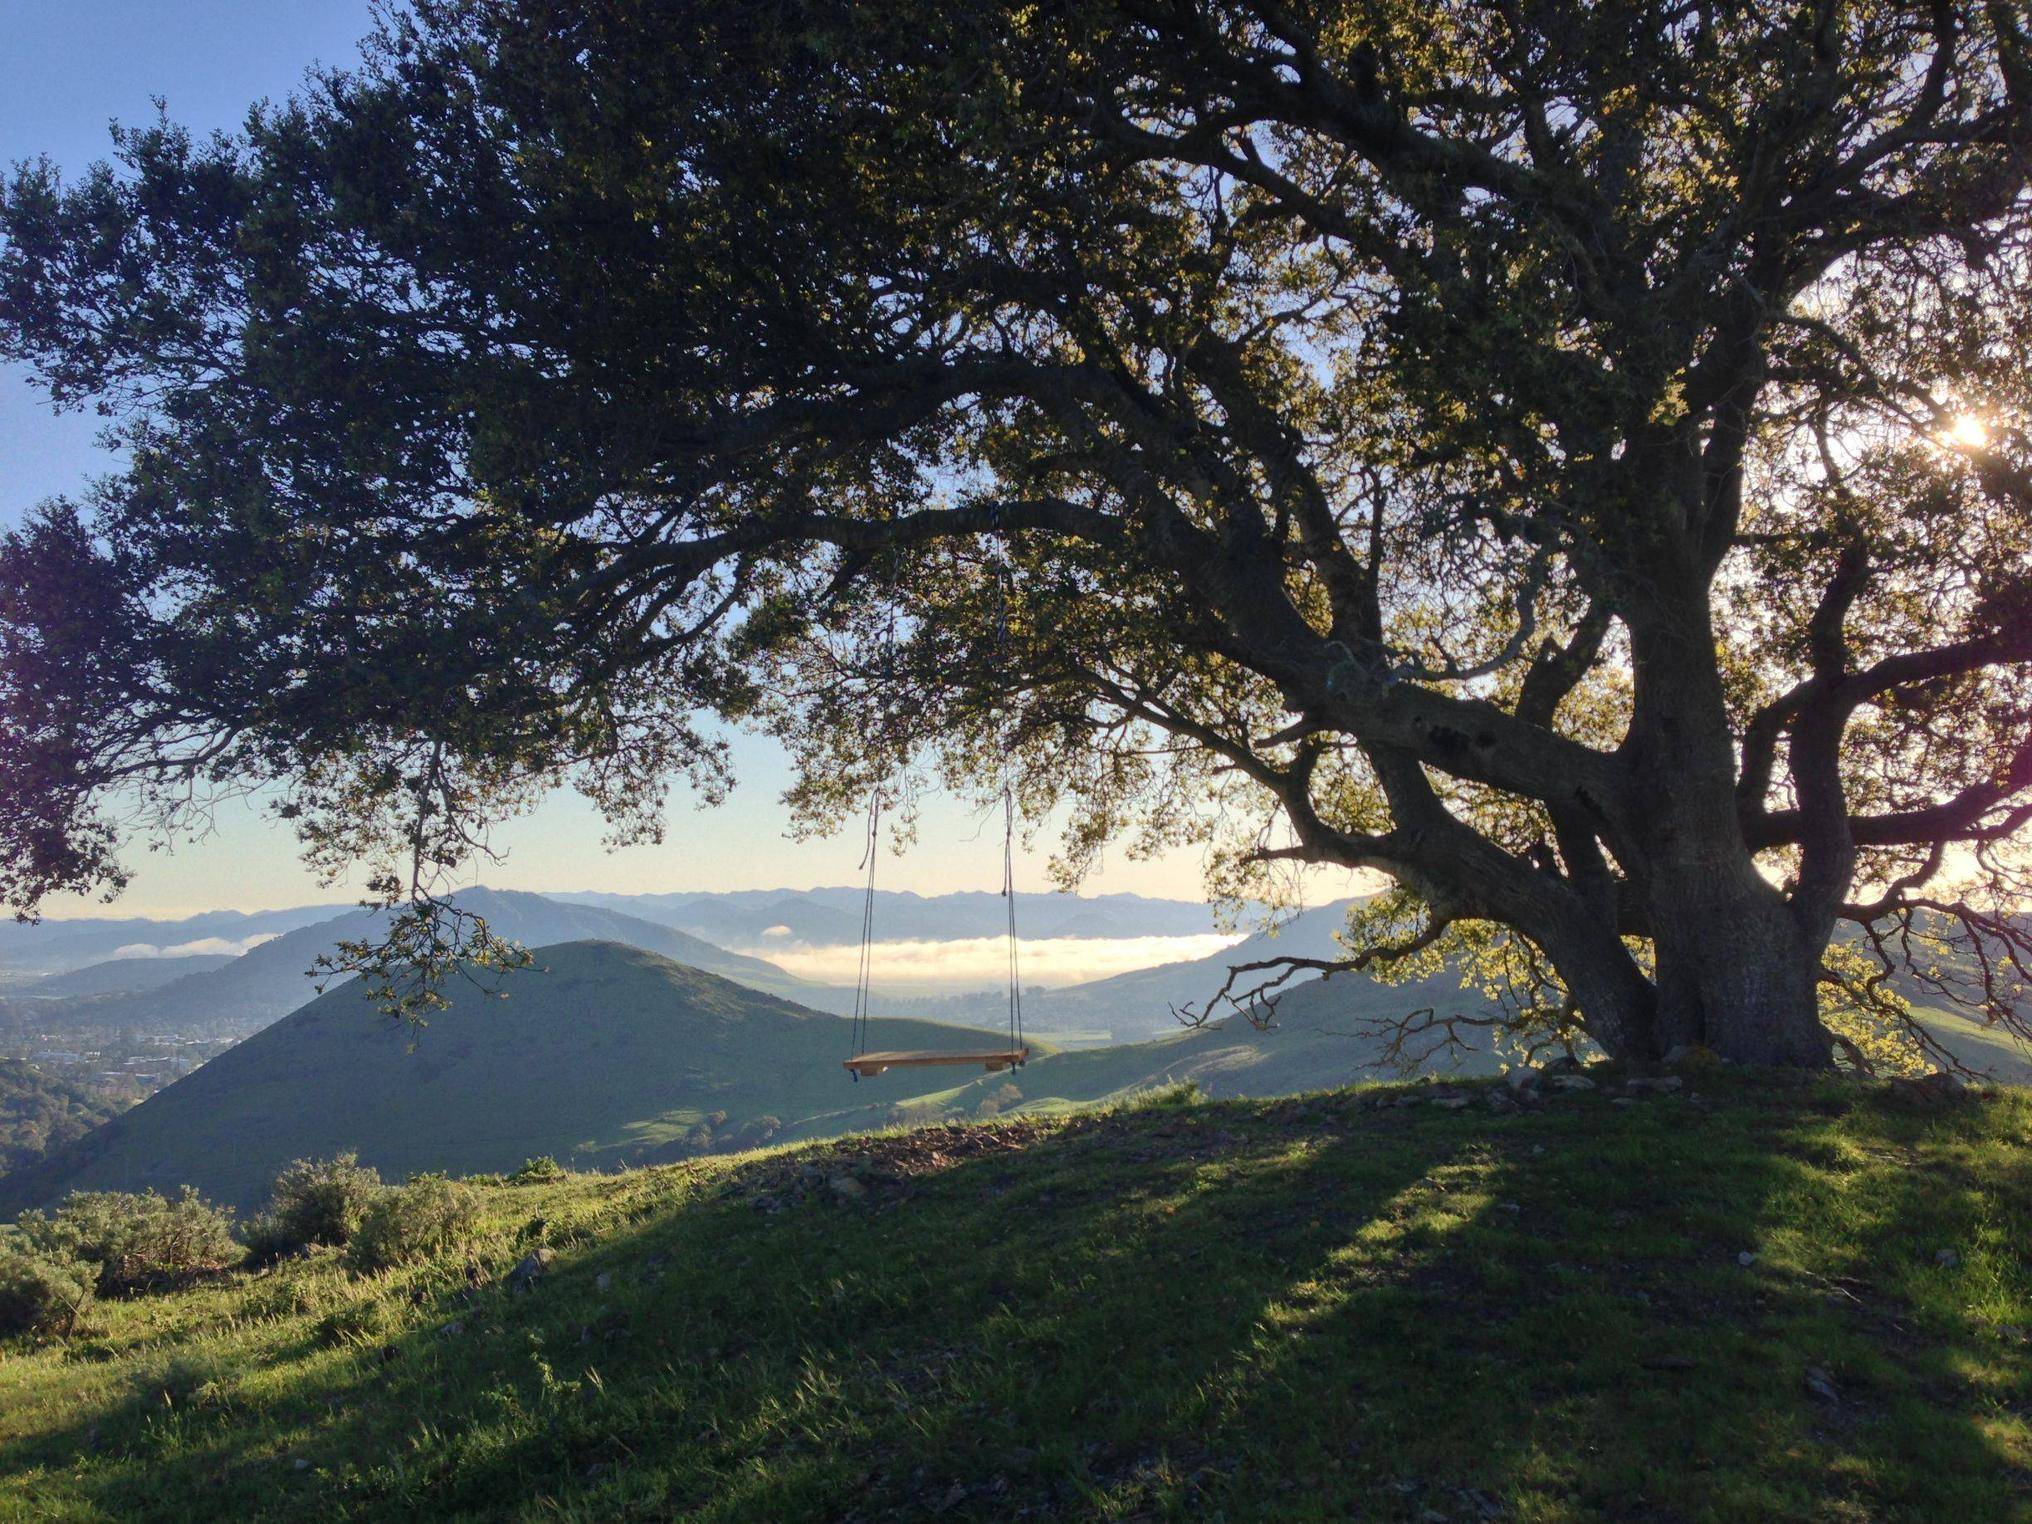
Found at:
<point>1735,973</point>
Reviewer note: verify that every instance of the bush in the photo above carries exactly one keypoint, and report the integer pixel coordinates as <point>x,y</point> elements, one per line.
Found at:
<point>39,1294</point>
<point>314,1201</point>
<point>267,1239</point>
<point>535,1171</point>
<point>421,1220</point>
<point>135,1243</point>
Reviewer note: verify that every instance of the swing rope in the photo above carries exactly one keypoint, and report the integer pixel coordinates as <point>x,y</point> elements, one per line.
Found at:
<point>1008,739</point>
<point>862,977</point>
<point>1016,1052</point>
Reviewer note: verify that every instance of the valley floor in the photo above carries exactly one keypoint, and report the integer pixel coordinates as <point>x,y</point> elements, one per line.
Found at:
<point>1749,1300</point>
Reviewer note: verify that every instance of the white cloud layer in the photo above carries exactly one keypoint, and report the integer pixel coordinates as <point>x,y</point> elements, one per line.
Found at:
<point>230,946</point>
<point>975,963</point>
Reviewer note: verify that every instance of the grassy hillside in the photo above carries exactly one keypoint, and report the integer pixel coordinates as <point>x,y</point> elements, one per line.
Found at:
<point>602,1055</point>
<point>1321,1037</point>
<point>39,1112</point>
<point>1750,1300</point>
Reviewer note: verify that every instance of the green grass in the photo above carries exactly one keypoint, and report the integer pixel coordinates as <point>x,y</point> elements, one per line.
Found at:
<point>1319,1308</point>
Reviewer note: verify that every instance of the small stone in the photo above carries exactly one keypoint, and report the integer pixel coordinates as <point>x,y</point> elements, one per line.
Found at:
<point>847,1188</point>
<point>1573,1082</point>
<point>1946,1257</point>
<point>1746,1259</point>
<point>1450,1102</point>
<point>1622,1100</point>
<point>453,1328</point>
<point>603,1281</point>
<point>1537,1148</point>
<point>1523,1077</point>
<point>1821,1384</point>
<point>1679,1053</point>
<point>300,1464</point>
<point>1508,1206</point>
<point>530,1269</point>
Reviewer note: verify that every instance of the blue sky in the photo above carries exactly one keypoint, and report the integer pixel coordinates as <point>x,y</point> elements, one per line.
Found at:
<point>67,68</point>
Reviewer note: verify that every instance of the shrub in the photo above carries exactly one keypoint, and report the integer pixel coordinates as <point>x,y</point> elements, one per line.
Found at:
<point>536,1170</point>
<point>39,1294</point>
<point>136,1243</point>
<point>267,1239</point>
<point>417,1221</point>
<point>1180,1093</point>
<point>314,1201</point>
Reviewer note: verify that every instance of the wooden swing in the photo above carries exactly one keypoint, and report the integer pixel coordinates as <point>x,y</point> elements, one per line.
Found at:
<point>1016,1052</point>
<point>992,1060</point>
<point>872,1064</point>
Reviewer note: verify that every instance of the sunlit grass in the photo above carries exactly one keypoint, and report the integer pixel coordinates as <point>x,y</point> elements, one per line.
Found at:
<point>1285,1310</point>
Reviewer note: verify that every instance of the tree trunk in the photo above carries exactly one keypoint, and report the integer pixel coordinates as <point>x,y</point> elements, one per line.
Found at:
<point>1734,972</point>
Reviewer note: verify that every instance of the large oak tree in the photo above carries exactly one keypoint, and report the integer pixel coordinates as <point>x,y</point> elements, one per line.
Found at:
<point>1569,459</point>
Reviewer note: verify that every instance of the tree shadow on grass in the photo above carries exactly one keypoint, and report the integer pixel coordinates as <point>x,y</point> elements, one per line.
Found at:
<point>1298,1311</point>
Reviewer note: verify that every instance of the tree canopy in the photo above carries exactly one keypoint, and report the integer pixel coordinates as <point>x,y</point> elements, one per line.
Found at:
<point>1571,460</point>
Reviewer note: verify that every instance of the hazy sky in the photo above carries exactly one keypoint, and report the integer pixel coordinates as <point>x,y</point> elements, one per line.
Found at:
<point>68,67</point>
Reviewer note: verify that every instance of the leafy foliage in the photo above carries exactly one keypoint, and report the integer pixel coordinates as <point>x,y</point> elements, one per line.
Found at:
<point>135,1242</point>
<point>317,1201</point>
<point>41,1294</point>
<point>425,1219</point>
<point>537,1170</point>
<point>39,1113</point>
<point>1569,460</point>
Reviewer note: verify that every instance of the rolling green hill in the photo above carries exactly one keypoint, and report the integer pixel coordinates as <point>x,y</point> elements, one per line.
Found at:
<point>1755,1299</point>
<point>603,1055</point>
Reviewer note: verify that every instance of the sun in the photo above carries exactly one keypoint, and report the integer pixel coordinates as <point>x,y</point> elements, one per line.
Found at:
<point>1968,431</point>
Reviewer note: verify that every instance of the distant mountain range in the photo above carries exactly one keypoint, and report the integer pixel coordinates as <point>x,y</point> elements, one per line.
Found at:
<point>117,976</point>
<point>1146,1002</point>
<point>831,917</point>
<point>219,994</point>
<point>600,1055</point>
<point>273,979</point>
<point>53,945</point>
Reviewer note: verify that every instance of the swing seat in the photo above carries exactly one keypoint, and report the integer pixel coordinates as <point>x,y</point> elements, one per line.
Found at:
<point>872,1064</point>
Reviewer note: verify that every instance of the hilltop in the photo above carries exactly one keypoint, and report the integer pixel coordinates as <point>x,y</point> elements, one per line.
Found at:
<point>275,978</point>
<point>1754,1298</point>
<point>601,1054</point>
